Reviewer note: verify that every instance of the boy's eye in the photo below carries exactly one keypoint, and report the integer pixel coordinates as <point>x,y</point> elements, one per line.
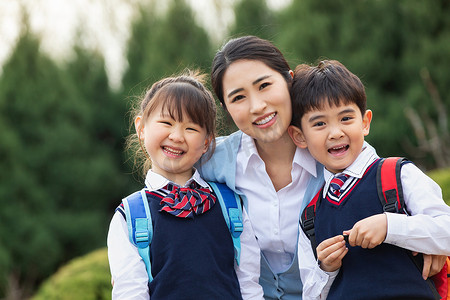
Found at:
<point>165,122</point>
<point>192,129</point>
<point>318,124</point>
<point>346,118</point>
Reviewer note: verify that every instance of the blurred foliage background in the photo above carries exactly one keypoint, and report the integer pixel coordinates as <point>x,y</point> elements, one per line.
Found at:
<point>63,169</point>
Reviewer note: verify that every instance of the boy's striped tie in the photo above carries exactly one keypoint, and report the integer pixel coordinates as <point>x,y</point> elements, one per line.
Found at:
<point>337,182</point>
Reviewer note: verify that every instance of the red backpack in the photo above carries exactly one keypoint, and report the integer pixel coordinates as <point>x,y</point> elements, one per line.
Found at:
<point>390,193</point>
<point>391,196</point>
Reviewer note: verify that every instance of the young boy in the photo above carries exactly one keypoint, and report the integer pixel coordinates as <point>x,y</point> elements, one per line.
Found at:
<point>330,120</point>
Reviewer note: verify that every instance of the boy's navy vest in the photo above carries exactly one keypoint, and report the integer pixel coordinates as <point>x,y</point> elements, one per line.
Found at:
<point>385,272</point>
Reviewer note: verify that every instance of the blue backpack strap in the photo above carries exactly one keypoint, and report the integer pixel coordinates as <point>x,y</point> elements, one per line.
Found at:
<point>232,212</point>
<point>139,223</point>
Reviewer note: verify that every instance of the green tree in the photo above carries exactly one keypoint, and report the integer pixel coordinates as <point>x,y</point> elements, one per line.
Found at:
<point>253,17</point>
<point>163,45</point>
<point>386,44</point>
<point>57,179</point>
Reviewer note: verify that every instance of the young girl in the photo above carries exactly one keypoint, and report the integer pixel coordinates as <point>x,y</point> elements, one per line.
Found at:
<point>192,255</point>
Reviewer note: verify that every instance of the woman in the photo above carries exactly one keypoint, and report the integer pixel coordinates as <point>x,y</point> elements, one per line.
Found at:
<point>252,80</point>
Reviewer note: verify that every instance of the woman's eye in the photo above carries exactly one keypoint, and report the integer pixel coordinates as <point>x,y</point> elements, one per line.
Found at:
<point>263,85</point>
<point>237,98</point>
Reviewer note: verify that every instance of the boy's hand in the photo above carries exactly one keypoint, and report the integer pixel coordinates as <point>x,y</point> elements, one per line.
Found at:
<point>369,232</point>
<point>331,252</point>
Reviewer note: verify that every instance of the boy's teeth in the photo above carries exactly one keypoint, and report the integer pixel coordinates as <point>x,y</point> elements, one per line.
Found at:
<point>265,120</point>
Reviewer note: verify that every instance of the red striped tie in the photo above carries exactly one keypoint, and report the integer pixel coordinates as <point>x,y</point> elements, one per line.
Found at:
<point>186,202</point>
<point>337,182</point>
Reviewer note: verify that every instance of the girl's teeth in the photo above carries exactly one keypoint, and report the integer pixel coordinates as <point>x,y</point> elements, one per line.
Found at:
<point>265,120</point>
<point>173,150</point>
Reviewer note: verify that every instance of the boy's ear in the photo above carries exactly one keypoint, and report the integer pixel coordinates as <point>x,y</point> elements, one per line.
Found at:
<point>297,136</point>
<point>367,118</point>
<point>139,127</point>
<point>291,73</point>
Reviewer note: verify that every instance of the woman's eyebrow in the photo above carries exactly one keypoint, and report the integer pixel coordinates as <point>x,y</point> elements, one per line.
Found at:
<point>253,83</point>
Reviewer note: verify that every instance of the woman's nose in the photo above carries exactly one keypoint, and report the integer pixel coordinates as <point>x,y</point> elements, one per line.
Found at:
<point>258,105</point>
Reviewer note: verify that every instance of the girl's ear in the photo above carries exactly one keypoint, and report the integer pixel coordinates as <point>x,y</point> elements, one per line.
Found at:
<point>367,118</point>
<point>208,141</point>
<point>139,126</point>
<point>297,136</point>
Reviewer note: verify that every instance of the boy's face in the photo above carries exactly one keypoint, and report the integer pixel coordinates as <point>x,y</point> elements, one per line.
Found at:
<point>334,135</point>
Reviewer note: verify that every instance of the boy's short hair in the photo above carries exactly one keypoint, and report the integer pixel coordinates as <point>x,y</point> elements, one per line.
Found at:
<point>328,81</point>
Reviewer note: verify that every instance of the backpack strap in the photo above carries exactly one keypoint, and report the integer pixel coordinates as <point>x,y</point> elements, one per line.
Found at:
<point>390,193</point>
<point>232,211</point>
<point>139,223</point>
<point>140,228</point>
<point>389,184</point>
<point>307,217</point>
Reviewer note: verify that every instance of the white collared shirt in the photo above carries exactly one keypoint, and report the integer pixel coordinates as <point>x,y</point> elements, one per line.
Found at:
<point>274,215</point>
<point>127,267</point>
<point>426,230</point>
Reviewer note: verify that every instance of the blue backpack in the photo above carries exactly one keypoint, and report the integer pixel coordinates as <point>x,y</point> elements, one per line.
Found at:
<point>140,228</point>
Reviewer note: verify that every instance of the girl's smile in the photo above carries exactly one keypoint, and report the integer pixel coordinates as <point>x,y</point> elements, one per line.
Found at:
<point>173,146</point>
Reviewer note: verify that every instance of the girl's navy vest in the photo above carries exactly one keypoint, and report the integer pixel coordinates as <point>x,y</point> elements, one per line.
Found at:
<point>191,258</point>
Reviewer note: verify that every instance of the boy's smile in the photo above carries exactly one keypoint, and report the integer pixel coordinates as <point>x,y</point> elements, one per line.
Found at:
<point>334,135</point>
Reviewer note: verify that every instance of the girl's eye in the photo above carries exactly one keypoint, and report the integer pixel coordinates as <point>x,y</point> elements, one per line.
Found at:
<point>165,122</point>
<point>192,129</point>
<point>263,85</point>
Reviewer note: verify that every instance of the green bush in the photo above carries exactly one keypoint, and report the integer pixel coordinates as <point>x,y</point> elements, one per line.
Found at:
<point>442,177</point>
<point>83,278</point>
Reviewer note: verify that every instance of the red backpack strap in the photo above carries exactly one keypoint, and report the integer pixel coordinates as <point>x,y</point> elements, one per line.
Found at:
<point>389,184</point>
<point>390,193</point>
<point>308,216</point>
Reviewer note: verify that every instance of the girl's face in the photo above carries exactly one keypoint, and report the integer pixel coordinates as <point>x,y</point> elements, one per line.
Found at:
<point>258,100</point>
<point>173,146</point>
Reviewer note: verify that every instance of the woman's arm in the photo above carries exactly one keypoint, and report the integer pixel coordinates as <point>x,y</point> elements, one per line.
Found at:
<point>129,275</point>
<point>249,267</point>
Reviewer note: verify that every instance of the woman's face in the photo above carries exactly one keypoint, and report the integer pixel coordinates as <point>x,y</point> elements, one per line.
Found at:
<point>257,98</point>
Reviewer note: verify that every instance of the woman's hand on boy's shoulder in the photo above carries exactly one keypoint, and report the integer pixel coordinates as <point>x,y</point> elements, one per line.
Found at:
<point>369,232</point>
<point>330,253</point>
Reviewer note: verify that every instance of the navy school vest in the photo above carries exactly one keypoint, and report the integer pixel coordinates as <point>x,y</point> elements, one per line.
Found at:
<point>385,272</point>
<point>195,257</point>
